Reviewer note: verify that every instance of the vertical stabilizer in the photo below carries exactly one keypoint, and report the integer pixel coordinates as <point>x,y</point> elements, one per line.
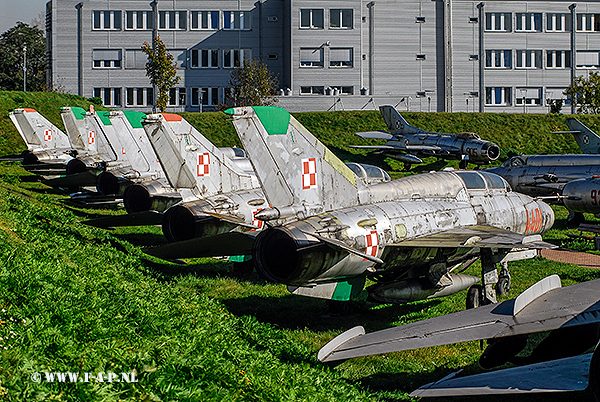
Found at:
<point>190,160</point>
<point>396,123</point>
<point>588,141</point>
<point>293,167</point>
<point>37,132</point>
<point>135,142</point>
<point>81,138</point>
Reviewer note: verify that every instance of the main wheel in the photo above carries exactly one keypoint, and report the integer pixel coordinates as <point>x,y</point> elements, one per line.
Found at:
<point>463,164</point>
<point>474,295</point>
<point>503,286</point>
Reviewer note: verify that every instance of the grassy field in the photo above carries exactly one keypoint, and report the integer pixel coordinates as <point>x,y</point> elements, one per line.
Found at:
<point>79,299</point>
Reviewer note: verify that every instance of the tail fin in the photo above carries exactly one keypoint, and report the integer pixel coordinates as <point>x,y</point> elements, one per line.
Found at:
<point>190,160</point>
<point>293,167</point>
<point>81,138</point>
<point>588,141</point>
<point>37,132</point>
<point>396,123</point>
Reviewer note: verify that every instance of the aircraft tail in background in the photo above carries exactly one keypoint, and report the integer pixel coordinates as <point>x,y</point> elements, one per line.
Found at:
<point>37,132</point>
<point>588,141</point>
<point>396,123</point>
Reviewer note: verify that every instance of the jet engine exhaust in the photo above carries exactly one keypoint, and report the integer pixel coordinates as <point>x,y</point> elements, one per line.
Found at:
<point>187,221</point>
<point>291,257</point>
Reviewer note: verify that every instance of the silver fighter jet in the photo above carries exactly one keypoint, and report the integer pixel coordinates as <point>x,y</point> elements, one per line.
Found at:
<point>327,232</point>
<point>409,144</point>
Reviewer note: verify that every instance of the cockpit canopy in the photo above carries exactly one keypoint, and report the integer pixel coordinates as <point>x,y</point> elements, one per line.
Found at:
<point>468,136</point>
<point>368,173</point>
<point>482,180</point>
<point>515,161</point>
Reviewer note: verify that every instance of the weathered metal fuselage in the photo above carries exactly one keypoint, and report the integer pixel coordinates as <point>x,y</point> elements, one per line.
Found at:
<point>390,214</point>
<point>539,175</point>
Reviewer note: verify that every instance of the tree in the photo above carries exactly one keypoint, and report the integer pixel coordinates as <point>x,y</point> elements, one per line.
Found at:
<point>585,93</point>
<point>12,43</point>
<point>161,69</point>
<point>253,84</point>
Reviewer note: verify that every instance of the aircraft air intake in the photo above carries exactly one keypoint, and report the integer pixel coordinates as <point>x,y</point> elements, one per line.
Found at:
<point>289,256</point>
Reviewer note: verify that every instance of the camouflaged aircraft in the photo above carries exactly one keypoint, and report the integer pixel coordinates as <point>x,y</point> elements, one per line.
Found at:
<point>49,150</point>
<point>572,314</point>
<point>409,144</point>
<point>568,179</point>
<point>326,232</point>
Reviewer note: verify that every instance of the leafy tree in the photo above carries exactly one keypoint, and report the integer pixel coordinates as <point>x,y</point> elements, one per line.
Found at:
<point>585,93</point>
<point>12,43</point>
<point>253,84</point>
<point>161,69</point>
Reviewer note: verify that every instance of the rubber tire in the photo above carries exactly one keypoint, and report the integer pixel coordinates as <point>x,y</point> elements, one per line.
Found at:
<point>503,286</point>
<point>474,295</point>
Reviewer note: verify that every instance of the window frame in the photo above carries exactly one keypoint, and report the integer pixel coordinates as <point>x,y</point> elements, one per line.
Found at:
<point>198,19</point>
<point>311,25</point>
<point>493,55</point>
<point>147,20</point>
<point>506,95</point>
<point>100,17</point>
<point>340,14</point>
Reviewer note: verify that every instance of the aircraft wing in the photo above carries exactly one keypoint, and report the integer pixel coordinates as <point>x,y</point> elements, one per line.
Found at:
<point>476,236</point>
<point>231,243</point>
<point>568,374</point>
<point>544,306</point>
<point>375,135</point>
<point>82,179</point>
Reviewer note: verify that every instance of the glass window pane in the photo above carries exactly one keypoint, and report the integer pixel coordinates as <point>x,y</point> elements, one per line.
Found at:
<point>317,18</point>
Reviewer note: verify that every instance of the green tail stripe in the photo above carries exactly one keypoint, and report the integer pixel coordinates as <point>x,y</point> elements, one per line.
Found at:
<point>275,119</point>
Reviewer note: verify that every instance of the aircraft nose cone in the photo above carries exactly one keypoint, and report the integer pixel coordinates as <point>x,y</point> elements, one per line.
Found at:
<point>547,214</point>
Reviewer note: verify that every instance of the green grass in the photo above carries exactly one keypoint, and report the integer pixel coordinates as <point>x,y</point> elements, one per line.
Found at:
<point>79,299</point>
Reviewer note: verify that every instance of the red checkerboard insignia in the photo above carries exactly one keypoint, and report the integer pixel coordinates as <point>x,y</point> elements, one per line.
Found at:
<point>372,243</point>
<point>309,173</point>
<point>203,164</point>
<point>91,137</point>
<point>48,135</point>
<point>256,222</point>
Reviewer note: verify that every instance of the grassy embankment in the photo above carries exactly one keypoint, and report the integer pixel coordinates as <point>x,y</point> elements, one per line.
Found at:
<point>79,299</point>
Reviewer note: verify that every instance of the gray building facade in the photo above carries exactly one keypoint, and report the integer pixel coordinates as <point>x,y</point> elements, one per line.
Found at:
<point>419,55</point>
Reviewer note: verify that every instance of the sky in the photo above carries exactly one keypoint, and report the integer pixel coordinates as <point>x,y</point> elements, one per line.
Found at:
<point>12,11</point>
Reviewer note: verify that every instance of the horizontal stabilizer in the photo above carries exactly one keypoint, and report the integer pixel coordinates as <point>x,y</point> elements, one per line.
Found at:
<point>375,135</point>
<point>569,374</point>
<point>12,158</point>
<point>145,218</point>
<point>543,310</point>
<point>232,243</point>
<point>83,179</point>
<point>93,199</point>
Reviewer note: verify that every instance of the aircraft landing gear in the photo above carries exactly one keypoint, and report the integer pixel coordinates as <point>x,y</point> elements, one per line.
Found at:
<point>575,218</point>
<point>407,166</point>
<point>503,285</point>
<point>463,164</point>
<point>474,296</point>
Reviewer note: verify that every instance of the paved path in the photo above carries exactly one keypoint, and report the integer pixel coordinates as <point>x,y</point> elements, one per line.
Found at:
<point>572,257</point>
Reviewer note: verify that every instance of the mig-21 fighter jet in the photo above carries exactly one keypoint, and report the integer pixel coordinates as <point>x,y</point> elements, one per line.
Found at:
<point>326,232</point>
<point>409,144</point>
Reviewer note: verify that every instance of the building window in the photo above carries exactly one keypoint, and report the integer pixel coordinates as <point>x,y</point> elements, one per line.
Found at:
<point>497,96</point>
<point>419,20</point>
<point>236,20</point>
<point>139,97</point>
<point>205,58</point>
<point>528,22</point>
<point>528,96</point>
<point>205,96</point>
<point>341,90</point>
<point>473,57</point>
<point>529,59</point>
<point>135,59</point>
<point>272,56</point>
<point>341,18</point>
<point>558,22</point>
<point>106,20</point>
<point>498,58</point>
<point>315,90</point>
<point>235,57</point>
<point>554,94</point>
<point>587,59</point>
<point>473,20</point>
<point>311,18</point>
<point>500,22</point>
<point>421,57</point>
<point>558,59</point>
<point>177,97</point>
<point>311,57</point>
<point>172,20</point>
<point>106,58</point>
<point>205,20</point>
<point>109,96</point>
<point>139,20</point>
<point>340,57</point>
<point>588,22</point>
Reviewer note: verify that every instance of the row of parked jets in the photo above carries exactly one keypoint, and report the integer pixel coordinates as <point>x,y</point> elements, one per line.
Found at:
<point>289,208</point>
